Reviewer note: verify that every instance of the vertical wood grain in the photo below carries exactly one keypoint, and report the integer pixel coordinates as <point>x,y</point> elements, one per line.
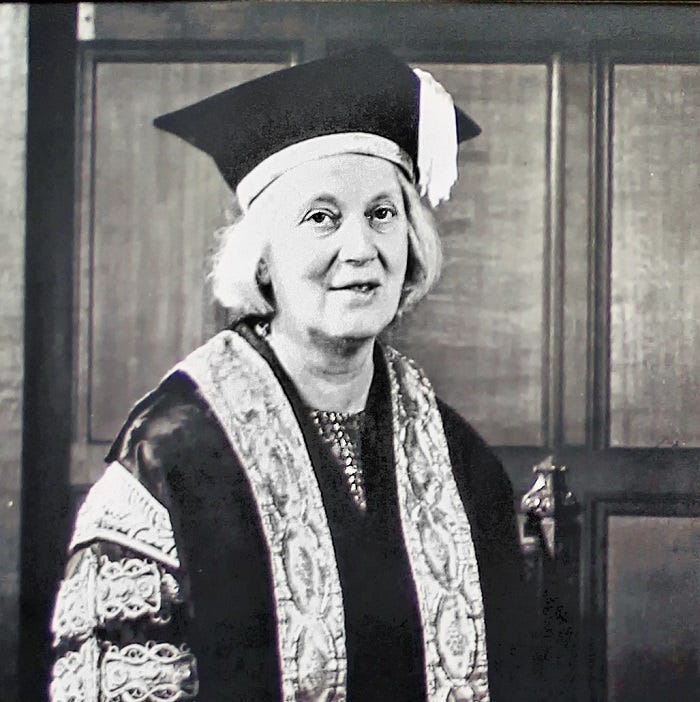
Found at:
<point>13,89</point>
<point>655,310</point>
<point>48,330</point>
<point>653,608</point>
<point>553,262</point>
<point>479,333</point>
<point>577,224</point>
<point>154,206</point>
<point>598,346</point>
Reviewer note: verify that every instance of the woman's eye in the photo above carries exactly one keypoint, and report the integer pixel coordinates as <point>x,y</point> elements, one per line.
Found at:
<point>320,217</point>
<point>384,213</point>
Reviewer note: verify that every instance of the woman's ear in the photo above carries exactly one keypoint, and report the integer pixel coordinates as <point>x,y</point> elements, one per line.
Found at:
<point>262,273</point>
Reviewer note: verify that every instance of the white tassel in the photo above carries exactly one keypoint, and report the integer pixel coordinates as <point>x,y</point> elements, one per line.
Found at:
<point>437,140</point>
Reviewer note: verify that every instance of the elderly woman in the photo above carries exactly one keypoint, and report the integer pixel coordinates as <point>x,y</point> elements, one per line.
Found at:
<point>292,514</point>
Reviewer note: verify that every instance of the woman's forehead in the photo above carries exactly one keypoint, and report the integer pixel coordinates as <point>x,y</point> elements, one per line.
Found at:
<point>342,176</point>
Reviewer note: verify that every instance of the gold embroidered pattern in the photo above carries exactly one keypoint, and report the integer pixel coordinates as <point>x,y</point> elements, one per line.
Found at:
<point>121,510</point>
<point>98,593</point>
<point>75,675</point>
<point>74,614</point>
<point>151,672</point>
<point>130,589</point>
<point>154,672</point>
<point>438,541</point>
<point>262,429</point>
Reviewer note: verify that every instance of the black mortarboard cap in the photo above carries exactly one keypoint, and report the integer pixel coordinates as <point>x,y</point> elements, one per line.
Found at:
<point>367,91</point>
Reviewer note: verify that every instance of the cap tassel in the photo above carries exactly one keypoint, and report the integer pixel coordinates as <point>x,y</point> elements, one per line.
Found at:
<point>437,140</point>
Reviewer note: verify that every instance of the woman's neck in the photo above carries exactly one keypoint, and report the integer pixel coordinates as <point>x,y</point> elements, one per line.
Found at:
<point>329,374</point>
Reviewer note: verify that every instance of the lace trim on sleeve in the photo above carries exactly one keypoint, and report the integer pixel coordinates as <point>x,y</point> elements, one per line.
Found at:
<point>121,510</point>
<point>75,675</point>
<point>101,591</point>
<point>151,672</point>
<point>74,614</point>
<point>154,672</point>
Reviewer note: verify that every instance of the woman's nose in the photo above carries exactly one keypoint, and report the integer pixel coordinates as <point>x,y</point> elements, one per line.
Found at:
<point>357,241</point>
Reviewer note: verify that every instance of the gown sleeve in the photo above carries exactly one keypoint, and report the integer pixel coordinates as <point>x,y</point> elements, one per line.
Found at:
<point>120,617</point>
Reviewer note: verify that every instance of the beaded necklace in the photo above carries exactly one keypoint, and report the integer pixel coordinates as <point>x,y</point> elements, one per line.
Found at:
<point>342,431</point>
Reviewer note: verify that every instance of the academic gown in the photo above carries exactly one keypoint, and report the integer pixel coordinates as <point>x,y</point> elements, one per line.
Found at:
<point>224,608</point>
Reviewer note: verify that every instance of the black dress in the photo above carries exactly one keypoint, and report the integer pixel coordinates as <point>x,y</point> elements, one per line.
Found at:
<point>224,611</point>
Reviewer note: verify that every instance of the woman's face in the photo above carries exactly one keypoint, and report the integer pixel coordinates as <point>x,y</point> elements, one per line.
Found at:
<point>338,246</point>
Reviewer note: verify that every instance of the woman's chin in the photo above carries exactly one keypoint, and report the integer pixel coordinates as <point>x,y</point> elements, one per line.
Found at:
<point>353,330</point>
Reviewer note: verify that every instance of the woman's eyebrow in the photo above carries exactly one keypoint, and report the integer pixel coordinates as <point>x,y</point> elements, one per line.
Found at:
<point>385,195</point>
<point>321,197</point>
<point>316,200</point>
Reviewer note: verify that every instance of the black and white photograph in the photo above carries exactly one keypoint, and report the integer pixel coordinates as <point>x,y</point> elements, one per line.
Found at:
<point>350,352</point>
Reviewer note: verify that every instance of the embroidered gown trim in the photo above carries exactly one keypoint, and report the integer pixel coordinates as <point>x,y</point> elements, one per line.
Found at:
<point>438,540</point>
<point>260,424</point>
<point>120,509</point>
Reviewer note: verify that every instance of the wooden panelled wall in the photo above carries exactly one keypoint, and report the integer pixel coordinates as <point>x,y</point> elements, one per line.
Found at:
<point>653,650</point>
<point>655,297</point>
<point>567,317</point>
<point>150,208</point>
<point>13,89</point>
<point>47,424</point>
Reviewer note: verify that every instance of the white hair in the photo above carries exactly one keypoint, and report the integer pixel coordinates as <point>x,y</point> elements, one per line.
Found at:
<point>235,266</point>
<point>242,245</point>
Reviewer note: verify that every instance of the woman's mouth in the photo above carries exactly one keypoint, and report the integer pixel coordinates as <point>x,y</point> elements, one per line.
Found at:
<point>362,287</point>
<point>359,287</point>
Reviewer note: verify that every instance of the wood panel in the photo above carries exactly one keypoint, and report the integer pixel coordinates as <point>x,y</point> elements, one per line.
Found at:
<point>507,27</point>
<point>479,333</point>
<point>48,331</point>
<point>653,608</point>
<point>655,309</point>
<point>13,89</point>
<point>577,157</point>
<point>151,207</point>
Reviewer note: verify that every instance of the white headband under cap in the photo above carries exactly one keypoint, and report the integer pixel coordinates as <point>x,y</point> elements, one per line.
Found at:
<point>437,149</point>
<point>271,168</point>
